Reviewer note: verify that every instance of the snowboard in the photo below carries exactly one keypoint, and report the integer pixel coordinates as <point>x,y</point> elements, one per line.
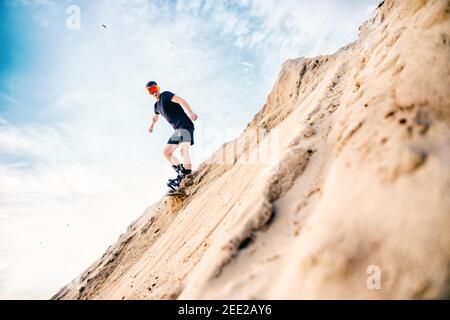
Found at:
<point>176,194</point>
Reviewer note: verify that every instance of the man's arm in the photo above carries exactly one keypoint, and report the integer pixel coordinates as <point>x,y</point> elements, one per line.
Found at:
<point>185,105</point>
<point>154,120</point>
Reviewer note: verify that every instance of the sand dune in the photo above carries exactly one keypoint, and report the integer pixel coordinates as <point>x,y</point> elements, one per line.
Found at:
<point>338,188</point>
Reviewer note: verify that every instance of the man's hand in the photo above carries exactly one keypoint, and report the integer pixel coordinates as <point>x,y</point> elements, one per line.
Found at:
<point>193,116</point>
<point>154,120</point>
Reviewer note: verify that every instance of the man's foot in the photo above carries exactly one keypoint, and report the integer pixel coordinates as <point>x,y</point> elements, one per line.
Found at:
<point>173,184</point>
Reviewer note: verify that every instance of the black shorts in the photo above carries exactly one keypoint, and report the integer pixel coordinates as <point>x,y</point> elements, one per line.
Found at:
<point>182,135</point>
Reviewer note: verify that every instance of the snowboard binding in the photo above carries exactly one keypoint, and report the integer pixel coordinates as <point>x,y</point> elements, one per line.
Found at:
<point>174,184</point>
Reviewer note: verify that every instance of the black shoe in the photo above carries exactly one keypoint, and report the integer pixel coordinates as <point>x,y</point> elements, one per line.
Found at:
<point>177,169</point>
<point>173,185</point>
<point>182,173</point>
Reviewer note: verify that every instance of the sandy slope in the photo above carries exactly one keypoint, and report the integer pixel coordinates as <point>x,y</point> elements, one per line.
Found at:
<point>345,167</point>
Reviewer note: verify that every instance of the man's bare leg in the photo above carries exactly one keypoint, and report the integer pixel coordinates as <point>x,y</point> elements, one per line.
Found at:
<point>184,150</point>
<point>168,151</point>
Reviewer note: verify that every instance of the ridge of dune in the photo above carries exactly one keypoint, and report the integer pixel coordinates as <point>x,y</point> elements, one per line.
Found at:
<point>344,170</point>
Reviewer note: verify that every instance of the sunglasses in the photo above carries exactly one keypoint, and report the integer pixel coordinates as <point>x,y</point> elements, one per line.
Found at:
<point>153,89</point>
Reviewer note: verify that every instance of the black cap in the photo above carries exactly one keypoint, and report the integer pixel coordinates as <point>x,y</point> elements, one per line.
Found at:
<point>151,83</point>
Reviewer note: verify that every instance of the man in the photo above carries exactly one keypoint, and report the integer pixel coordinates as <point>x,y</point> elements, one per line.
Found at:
<point>171,107</point>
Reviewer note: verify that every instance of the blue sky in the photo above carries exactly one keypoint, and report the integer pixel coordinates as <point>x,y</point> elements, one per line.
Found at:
<point>76,162</point>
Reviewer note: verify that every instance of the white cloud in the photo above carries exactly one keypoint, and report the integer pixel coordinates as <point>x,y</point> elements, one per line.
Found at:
<point>247,64</point>
<point>242,28</point>
<point>61,181</point>
<point>9,99</point>
<point>229,23</point>
<point>42,21</point>
<point>256,38</point>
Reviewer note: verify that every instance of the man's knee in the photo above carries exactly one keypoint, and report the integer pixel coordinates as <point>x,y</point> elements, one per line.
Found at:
<point>167,152</point>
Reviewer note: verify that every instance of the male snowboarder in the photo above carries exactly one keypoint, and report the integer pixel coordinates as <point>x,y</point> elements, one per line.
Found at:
<point>170,106</point>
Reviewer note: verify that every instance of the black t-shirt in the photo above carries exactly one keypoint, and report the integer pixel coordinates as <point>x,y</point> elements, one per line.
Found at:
<point>172,111</point>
